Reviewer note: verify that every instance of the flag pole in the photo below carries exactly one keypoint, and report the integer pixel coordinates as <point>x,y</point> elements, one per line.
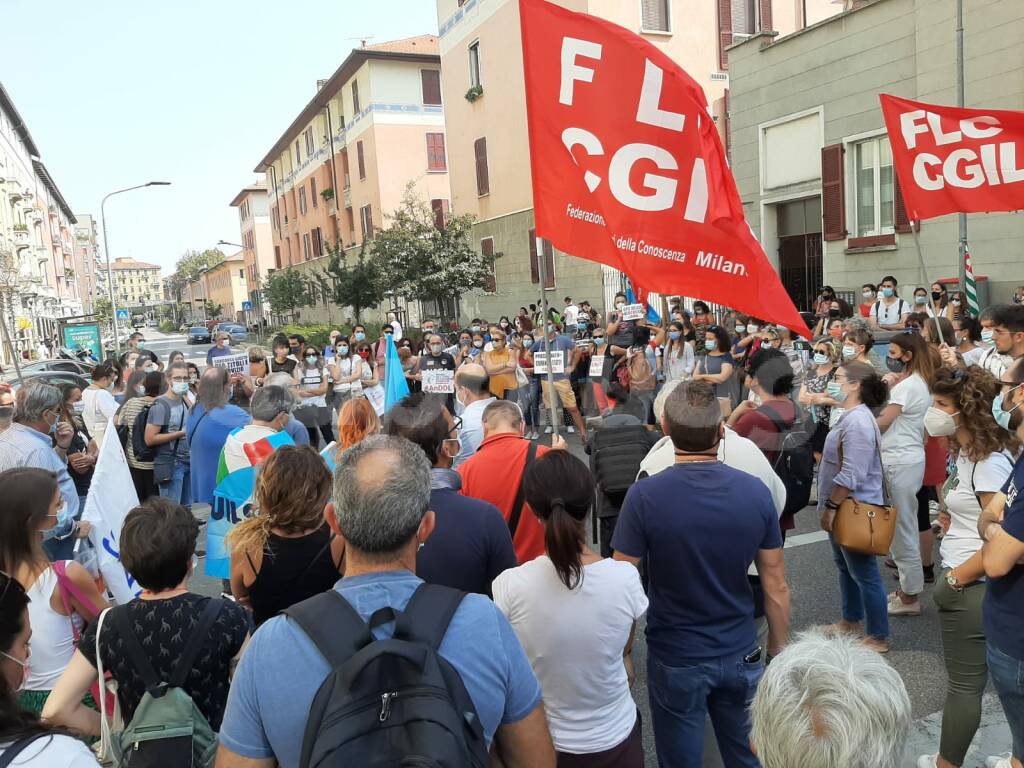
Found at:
<point>915,227</point>
<point>544,320</point>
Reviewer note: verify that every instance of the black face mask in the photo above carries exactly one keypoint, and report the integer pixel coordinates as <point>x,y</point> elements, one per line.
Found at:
<point>833,313</point>
<point>6,412</point>
<point>895,365</point>
<point>936,295</point>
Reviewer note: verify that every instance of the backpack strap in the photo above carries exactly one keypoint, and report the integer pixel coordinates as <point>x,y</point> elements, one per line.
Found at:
<point>427,614</point>
<point>335,627</point>
<point>133,649</point>
<point>776,418</point>
<point>20,746</point>
<point>195,643</point>
<point>517,505</point>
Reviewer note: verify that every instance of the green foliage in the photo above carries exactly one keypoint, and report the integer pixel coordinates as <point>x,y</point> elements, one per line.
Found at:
<point>101,309</point>
<point>318,334</point>
<point>188,267</point>
<point>356,285</point>
<point>168,326</point>
<point>212,309</point>
<point>286,291</point>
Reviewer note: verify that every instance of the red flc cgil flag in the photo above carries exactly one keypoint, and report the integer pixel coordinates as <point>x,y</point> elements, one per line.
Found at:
<point>955,160</point>
<point>629,170</point>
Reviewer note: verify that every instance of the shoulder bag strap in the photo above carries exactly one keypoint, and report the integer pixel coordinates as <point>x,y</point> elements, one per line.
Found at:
<point>886,495</point>
<point>195,643</point>
<point>133,649</point>
<point>335,627</point>
<point>428,613</point>
<point>18,747</point>
<point>196,427</point>
<point>517,505</point>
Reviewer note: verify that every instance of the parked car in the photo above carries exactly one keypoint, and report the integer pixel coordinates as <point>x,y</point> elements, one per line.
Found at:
<point>57,378</point>
<point>235,331</point>
<point>58,364</point>
<point>152,324</point>
<point>199,334</point>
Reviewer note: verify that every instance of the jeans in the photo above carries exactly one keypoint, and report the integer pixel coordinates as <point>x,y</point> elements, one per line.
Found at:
<point>179,488</point>
<point>863,595</point>
<point>1007,675</point>
<point>683,696</point>
<point>904,483</point>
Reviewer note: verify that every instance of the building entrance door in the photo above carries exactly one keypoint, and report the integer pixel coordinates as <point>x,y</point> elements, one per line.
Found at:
<point>800,250</point>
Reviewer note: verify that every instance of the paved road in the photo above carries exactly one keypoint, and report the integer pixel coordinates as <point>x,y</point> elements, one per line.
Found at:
<point>916,642</point>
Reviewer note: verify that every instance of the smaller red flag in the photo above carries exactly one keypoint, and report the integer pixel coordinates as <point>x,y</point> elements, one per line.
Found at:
<point>955,160</point>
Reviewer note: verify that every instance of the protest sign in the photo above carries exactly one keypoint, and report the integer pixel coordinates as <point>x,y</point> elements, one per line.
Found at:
<point>596,366</point>
<point>629,169</point>
<point>438,380</point>
<point>633,312</point>
<point>540,362</point>
<point>111,497</point>
<point>955,160</point>
<point>234,363</point>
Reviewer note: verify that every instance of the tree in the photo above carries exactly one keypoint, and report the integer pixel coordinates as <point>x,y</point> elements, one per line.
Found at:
<point>285,291</point>
<point>416,258</point>
<point>357,285</point>
<point>193,262</point>
<point>212,309</point>
<point>101,309</point>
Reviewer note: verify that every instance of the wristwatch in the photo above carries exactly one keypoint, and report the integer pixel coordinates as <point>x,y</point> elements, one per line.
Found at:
<point>953,581</point>
<point>831,505</point>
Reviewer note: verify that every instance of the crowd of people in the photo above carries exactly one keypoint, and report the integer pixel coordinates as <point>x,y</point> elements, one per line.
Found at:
<point>439,587</point>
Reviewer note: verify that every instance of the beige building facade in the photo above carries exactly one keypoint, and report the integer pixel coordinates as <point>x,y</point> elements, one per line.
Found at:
<point>137,284</point>
<point>89,268</point>
<point>485,114</point>
<point>257,245</point>
<point>811,156</point>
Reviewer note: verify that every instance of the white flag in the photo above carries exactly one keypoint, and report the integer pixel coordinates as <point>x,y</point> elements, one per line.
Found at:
<point>111,496</point>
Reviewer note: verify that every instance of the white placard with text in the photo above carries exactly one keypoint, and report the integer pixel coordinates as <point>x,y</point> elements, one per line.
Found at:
<point>633,312</point>
<point>438,381</point>
<point>540,362</point>
<point>596,366</point>
<point>234,363</point>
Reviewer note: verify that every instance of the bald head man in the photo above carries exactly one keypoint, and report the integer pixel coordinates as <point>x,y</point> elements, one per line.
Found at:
<point>471,391</point>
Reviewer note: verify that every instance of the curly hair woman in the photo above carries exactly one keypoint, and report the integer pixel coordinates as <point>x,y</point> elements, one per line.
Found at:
<point>985,454</point>
<point>285,552</point>
<point>357,420</point>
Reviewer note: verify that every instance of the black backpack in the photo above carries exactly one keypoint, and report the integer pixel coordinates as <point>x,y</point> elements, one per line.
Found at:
<point>142,451</point>
<point>388,702</point>
<point>615,456</point>
<point>795,462</point>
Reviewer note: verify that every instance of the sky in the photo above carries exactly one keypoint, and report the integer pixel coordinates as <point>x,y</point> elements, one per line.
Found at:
<point>118,93</point>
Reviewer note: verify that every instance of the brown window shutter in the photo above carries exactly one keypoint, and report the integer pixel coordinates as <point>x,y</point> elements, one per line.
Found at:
<point>439,206</point>
<point>724,32</point>
<point>487,249</point>
<point>312,191</point>
<point>360,162</point>
<point>483,183</point>
<point>549,265</point>
<point>901,222</point>
<point>534,263</point>
<point>766,16</point>
<point>833,193</point>
<point>431,80</point>
<point>436,159</point>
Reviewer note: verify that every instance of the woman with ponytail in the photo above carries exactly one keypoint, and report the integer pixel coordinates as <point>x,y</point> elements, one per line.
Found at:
<point>575,614</point>
<point>284,553</point>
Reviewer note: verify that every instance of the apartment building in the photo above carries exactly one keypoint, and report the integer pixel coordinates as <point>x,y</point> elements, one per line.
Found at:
<point>813,162</point>
<point>485,114</point>
<point>89,268</point>
<point>343,164</point>
<point>225,285</point>
<point>137,284</point>
<point>257,244</point>
<point>55,224</point>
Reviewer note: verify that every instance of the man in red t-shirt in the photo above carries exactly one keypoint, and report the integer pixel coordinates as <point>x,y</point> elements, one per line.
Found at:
<point>495,472</point>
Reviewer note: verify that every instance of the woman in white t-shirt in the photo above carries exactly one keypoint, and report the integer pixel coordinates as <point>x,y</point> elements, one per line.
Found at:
<point>98,403</point>
<point>985,456</point>
<point>912,364</point>
<point>314,380</point>
<point>575,614</point>
<point>24,740</point>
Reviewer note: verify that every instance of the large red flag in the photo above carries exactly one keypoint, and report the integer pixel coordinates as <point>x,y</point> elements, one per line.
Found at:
<point>628,168</point>
<point>955,160</point>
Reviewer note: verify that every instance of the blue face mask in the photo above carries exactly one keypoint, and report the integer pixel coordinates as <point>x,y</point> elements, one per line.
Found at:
<point>581,326</point>
<point>888,292</point>
<point>835,391</point>
<point>820,359</point>
<point>53,427</point>
<point>1003,417</point>
<point>710,344</point>
<point>360,336</point>
<point>342,351</point>
<point>527,343</point>
<point>675,335</point>
<point>988,336</point>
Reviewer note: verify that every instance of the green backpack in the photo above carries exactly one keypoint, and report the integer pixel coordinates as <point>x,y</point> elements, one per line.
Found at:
<point>167,729</point>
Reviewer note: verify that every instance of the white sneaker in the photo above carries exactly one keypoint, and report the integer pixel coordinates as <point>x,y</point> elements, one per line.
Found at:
<point>571,430</point>
<point>927,761</point>
<point>898,608</point>
<point>547,430</point>
<point>1003,761</point>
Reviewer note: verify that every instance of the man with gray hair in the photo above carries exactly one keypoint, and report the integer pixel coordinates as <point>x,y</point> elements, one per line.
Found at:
<point>207,428</point>
<point>381,510</point>
<point>38,438</point>
<point>830,702</point>
<point>295,428</point>
<point>700,525</point>
<point>6,407</point>
<point>271,408</point>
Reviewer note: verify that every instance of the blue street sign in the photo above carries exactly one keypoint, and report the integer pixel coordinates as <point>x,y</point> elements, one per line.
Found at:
<point>122,314</point>
<point>247,306</point>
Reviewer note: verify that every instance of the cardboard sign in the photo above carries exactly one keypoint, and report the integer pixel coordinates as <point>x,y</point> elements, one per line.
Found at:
<point>438,381</point>
<point>540,362</point>
<point>234,363</point>
<point>596,366</point>
<point>633,312</point>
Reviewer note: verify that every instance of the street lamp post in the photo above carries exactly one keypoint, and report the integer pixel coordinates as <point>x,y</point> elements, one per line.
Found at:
<point>106,252</point>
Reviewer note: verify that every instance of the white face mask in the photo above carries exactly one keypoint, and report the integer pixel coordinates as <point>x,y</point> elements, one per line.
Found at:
<point>140,391</point>
<point>24,669</point>
<point>938,423</point>
<point>78,407</point>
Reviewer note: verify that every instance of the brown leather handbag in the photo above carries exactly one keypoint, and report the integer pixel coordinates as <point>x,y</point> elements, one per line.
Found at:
<point>867,529</point>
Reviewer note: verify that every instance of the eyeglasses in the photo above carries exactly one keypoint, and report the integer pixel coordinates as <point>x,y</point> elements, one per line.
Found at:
<point>456,425</point>
<point>8,581</point>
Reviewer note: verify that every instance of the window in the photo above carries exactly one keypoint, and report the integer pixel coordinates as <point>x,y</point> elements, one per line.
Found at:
<point>744,18</point>
<point>312,192</point>
<point>656,16</point>
<point>431,82</point>
<point>436,160</point>
<point>360,162</point>
<point>440,208</point>
<point>549,261</point>
<point>474,64</point>
<point>366,221</point>
<point>241,274</point>
<point>487,249</point>
<point>873,187</point>
<point>355,98</point>
<point>302,200</point>
<point>307,247</point>
<point>309,141</point>
<point>483,183</point>
<point>298,155</point>
<point>318,242</point>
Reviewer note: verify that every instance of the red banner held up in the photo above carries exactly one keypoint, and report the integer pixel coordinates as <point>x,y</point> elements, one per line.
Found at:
<point>629,170</point>
<point>955,160</point>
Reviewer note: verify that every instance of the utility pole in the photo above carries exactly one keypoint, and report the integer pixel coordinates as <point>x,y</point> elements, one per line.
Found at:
<point>961,218</point>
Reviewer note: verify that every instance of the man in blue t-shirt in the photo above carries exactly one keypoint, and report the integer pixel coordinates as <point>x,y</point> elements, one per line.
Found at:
<point>564,348</point>
<point>380,506</point>
<point>700,524</point>
<point>1002,529</point>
